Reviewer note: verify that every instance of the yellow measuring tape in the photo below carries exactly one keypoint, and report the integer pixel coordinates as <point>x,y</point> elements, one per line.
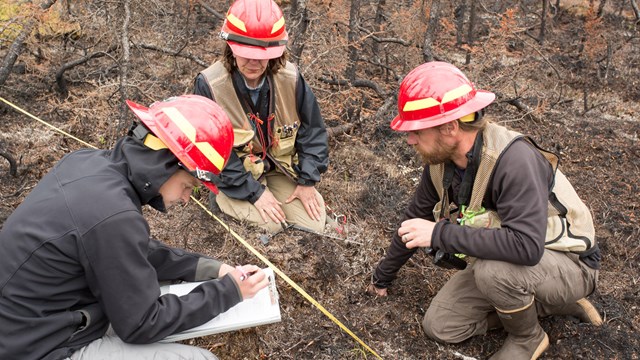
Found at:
<point>235,235</point>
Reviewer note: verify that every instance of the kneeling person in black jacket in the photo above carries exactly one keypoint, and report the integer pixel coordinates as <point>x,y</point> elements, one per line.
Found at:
<point>76,256</point>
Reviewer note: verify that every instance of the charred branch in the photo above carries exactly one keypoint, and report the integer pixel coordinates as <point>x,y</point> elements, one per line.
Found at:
<point>177,53</point>
<point>211,10</point>
<point>524,108</point>
<point>636,9</point>
<point>355,83</point>
<point>13,166</point>
<point>339,130</point>
<point>385,40</point>
<point>383,66</point>
<point>60,80</point>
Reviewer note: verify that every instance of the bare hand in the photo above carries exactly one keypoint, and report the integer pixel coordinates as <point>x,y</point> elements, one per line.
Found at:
<point>416,232</point>
<point>224,270</point>
<point>269,208</point>
<point>373,290</point>
<point>307,195</point>
<point>255,281</point>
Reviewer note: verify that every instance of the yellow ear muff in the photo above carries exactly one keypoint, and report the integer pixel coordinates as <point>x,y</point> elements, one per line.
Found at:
<point>153,142</point>
<point>468,118</point>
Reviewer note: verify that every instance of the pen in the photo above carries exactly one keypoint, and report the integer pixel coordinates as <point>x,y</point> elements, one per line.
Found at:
<point>244,275</point>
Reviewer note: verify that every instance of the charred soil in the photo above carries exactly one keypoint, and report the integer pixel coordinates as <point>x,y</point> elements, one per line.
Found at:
<point>371,178</point>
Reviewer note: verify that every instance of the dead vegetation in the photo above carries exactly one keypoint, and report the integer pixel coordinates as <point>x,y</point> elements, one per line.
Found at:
<point>566,72</point>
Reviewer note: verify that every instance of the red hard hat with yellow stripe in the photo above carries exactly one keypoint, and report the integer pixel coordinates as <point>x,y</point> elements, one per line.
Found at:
<point>194,128</point>
<point>254,29</point>
<point>436,93</point>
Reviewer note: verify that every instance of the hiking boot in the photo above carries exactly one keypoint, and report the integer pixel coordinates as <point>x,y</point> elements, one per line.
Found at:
<point>582,309</point>
<point>526,339</point>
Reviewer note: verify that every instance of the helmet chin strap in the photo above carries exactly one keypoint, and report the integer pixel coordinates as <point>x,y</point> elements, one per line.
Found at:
<point>202,175</point>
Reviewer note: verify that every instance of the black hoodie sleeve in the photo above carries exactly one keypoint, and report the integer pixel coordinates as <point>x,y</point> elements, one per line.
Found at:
<point>234,180</point>
<point>311,142</point>
<point>119,262</point>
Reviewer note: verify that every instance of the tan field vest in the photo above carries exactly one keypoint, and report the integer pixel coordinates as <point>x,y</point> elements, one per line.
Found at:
<point>286,120</point>
<point>569,222</point>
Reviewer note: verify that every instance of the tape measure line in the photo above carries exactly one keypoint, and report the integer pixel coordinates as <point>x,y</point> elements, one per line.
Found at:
<point>236,236</point>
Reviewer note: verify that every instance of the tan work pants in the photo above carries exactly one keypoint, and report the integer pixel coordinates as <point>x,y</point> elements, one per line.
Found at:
<point>110,347</point>
<point>281,187</point>
<point>459,310</point>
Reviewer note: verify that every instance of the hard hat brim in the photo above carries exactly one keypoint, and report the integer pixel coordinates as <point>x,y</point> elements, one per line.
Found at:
<point>211,187</point>
<point>256,52</point>
<point>142,112</point>
<point>481,100</point>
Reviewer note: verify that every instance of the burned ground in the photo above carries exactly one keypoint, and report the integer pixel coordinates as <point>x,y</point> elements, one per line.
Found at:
<point>588,113</point>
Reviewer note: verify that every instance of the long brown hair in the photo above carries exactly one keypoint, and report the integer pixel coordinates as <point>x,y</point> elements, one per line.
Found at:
<point>230,61</point>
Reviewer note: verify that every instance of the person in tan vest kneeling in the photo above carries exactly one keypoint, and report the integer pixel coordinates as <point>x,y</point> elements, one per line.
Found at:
<point>491,194</point>
<point>280,146</point>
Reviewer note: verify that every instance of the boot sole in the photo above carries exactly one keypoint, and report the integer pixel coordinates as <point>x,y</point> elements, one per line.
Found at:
<point>591,311</point>
<point>544,344</point>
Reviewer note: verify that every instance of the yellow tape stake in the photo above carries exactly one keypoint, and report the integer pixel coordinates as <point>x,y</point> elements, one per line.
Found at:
<point>287,279</point>
<point>234,234</point>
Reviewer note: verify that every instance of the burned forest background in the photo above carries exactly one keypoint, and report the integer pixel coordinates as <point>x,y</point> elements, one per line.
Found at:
<point>565,72</point>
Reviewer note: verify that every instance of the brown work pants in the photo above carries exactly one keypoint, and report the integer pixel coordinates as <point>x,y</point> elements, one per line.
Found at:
<point>281,187</point>
<point>459,310</point>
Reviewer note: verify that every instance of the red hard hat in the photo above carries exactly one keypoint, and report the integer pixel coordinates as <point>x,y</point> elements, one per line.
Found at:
<point>436,93</point>
<point>195,129</point>
<point>254,29</point>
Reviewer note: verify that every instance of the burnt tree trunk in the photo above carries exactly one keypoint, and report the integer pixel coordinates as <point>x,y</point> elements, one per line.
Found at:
<point>124,67</point>
<point>433,15</point>
<point>459,14</point>
<point>300,16</point>
<point>636,9</point>
<point>353,39</point>
<point>472,25</point>
<point>543,21</point>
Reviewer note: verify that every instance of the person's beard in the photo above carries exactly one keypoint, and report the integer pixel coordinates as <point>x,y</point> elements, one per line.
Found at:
<point>441,153</point>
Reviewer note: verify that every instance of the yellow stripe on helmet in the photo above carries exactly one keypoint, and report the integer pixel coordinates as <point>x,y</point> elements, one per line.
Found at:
<point>190,132</point>
<point>460,91</point>
<point>420,104</point>
<point>237,22</point>
<point>278,25</point>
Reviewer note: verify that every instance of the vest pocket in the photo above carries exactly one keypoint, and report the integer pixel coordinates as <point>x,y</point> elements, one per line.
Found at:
<point>254,165</point>
<point>285,146</point>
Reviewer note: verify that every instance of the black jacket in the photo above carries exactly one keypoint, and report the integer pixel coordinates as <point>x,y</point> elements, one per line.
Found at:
<point>76,255</point>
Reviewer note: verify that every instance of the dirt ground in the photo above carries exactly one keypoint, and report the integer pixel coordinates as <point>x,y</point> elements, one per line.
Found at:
<point>371,178</point>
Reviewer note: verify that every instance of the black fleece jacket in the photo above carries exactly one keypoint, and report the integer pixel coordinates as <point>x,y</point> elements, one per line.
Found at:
<point>77,255</point>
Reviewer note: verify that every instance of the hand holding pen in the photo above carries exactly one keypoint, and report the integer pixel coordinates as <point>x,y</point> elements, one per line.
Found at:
<point>250,279</point>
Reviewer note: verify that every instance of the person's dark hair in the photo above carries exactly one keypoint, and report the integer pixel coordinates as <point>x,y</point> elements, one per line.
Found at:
<point>272,68</point>
<point>479,123</point>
